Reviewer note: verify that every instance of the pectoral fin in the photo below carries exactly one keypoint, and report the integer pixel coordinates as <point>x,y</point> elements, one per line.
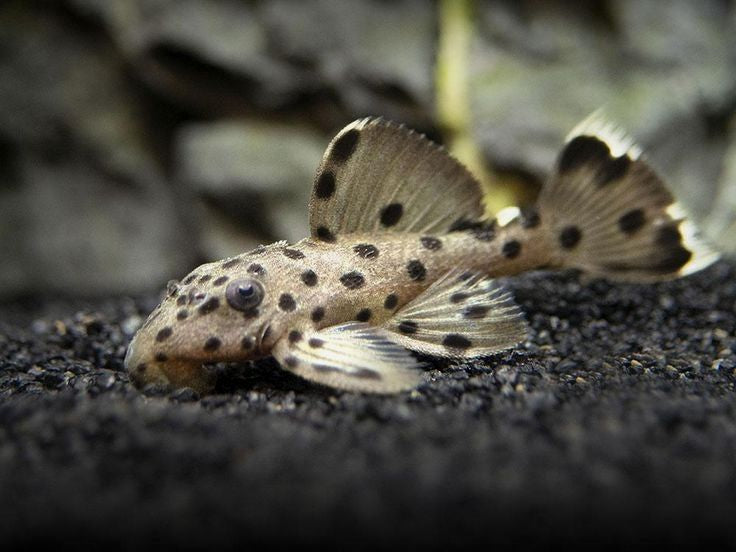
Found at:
<point>352,356</point>
<point>462,315</point>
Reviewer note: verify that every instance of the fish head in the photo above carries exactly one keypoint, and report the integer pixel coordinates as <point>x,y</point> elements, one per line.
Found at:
<point>220,312</point>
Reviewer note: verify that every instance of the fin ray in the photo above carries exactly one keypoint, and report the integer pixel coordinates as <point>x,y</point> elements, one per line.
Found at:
<point>352,356</point>
<point>609,214</point>
<point>461,316</point>
<point>377,176</point>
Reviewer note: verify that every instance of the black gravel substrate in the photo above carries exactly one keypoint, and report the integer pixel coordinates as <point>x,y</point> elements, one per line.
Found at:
<point>615,423</point>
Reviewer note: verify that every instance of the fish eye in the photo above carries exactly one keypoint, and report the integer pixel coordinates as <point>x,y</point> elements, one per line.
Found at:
<point>244,294</point>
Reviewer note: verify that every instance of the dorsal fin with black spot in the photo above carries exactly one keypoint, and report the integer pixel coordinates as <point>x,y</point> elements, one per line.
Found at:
<point>377,176</point>
<point>609,214</point>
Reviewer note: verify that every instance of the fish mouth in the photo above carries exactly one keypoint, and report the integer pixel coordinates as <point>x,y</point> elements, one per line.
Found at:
<point>143,369</point>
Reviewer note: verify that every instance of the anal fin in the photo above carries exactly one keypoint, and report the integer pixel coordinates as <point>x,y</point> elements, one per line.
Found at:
<point>462,315</point>
<point>352,356</point>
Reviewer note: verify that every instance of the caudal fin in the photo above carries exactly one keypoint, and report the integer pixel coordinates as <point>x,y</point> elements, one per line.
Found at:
<point>612,216</point>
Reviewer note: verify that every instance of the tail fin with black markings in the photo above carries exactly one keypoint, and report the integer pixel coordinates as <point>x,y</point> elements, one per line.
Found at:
<point>612,216</point>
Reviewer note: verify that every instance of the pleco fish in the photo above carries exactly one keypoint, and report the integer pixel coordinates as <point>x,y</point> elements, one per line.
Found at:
<point>400,258</point>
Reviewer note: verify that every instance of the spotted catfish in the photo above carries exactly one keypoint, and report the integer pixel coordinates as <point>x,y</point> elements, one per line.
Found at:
<point>400,259</point>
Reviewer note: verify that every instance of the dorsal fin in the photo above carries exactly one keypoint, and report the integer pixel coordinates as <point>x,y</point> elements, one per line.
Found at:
<point>377,176</point>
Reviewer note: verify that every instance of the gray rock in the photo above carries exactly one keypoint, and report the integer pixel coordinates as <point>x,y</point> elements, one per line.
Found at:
<point>377,56</point>
<point>663,70</point>
<point>88,233</point>
<point>212,55</point>
<point>228,156</point>
<point>254,174</point>
<point>225,56</point>
<point>721,224</point>
<point>85,204</point>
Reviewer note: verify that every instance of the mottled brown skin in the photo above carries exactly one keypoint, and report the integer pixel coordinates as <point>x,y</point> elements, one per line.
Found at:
<point>357,277</point>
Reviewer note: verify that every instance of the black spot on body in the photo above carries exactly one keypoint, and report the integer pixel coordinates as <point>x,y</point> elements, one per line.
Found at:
<point>366,250</point>
<point>255,268</point>
<point>324,234</point>
<point>318,314</point>
<point>209,306</point>
<point>613,169</point>
<point>416,270</point>
<point>309,277</point>
<point>182,314</point>
<point>293,253</point>
<point>431,243</point>
<point>458,297</point>
<point>391,301</point>
<point>196,296</point>
<point>172,288</point>
<point>456,341</point>
<point>219,281</point>
<point>291,361</point>
<point>231,263</point>
<point>408,327</point>
<point>181,300</point>
<point>316,342</point>
<point>287,302</point>
<point>352,280</point>
<point>189,279</point>
<point>570,237</point>
<point>485,231</point>
<point>363,315</point>
<point>391,214</point>
<point>258,250</point>
<point>344,146</point>
<point>161,357</point>
<point>476,311</point>
<point>212,344</point>
<point>462,224</point>
<point>631,221</point>
<point>141,368</point>
<point>164,333</point>
<point>325,186</point>
<point>530,218</point>
<point>295,336</point>
<point>205,278</point>
<point>247,343</point>
<point>583,150</point>
<point>511,249</point>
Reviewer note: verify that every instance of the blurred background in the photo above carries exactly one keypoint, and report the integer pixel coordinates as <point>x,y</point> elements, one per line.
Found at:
<point>139,138</point>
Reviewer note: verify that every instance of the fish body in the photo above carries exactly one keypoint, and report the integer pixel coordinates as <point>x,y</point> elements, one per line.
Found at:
<point>401,259</point>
